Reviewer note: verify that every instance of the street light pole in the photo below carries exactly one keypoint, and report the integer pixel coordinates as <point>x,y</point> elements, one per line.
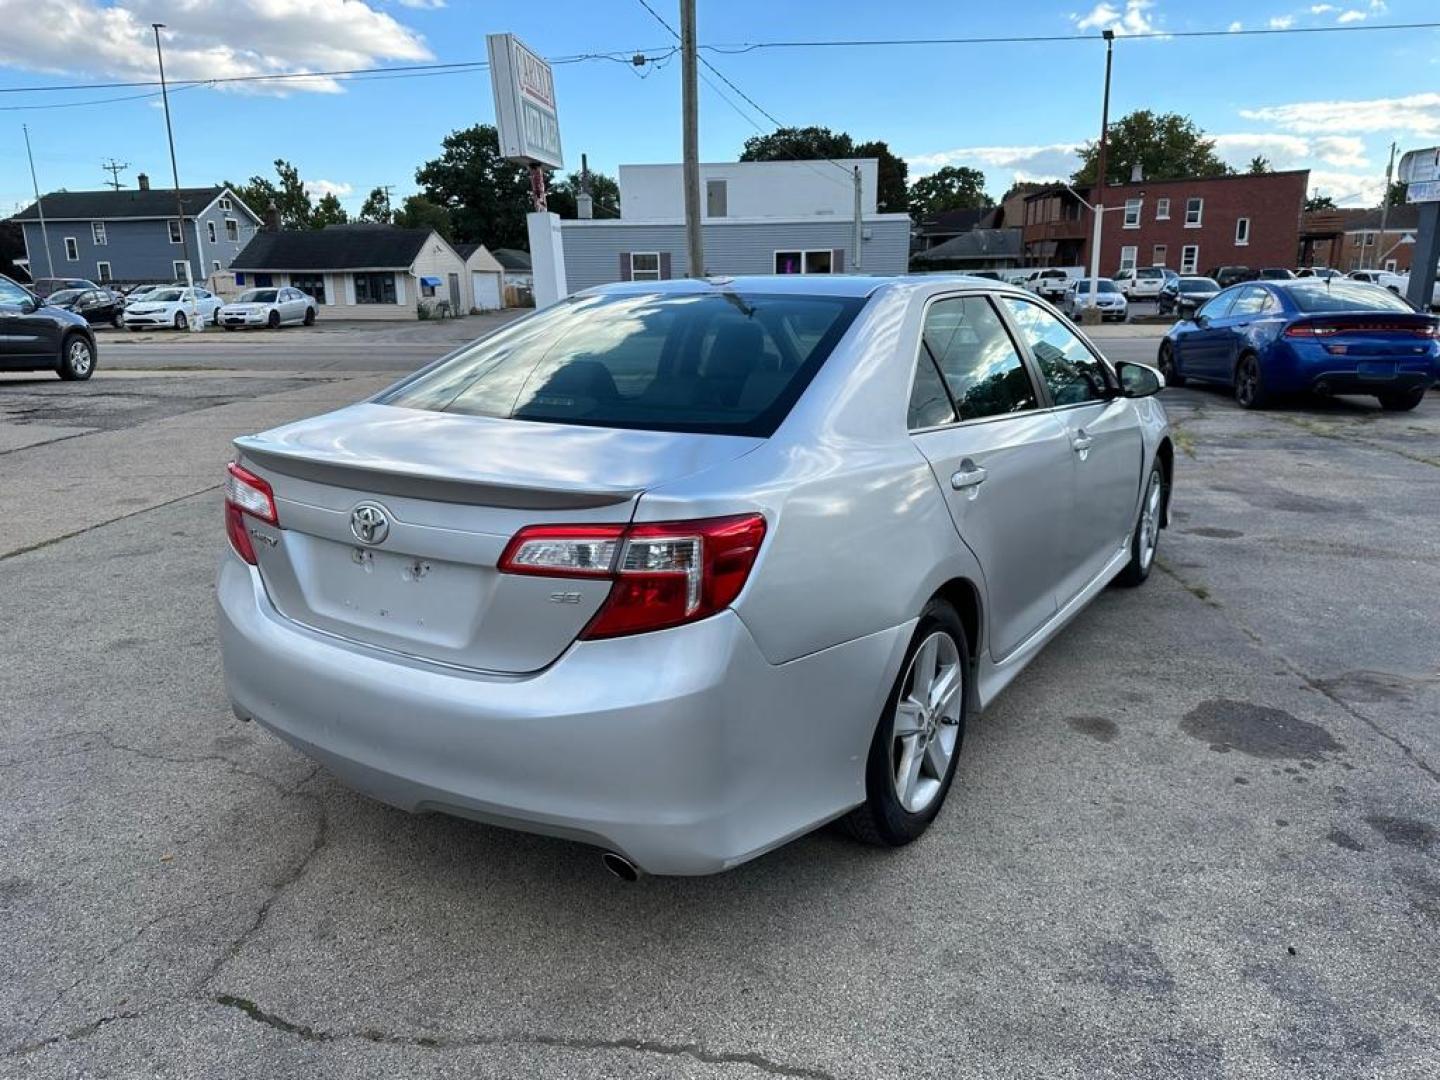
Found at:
<point>39,208</point>
<point>174,168</point>
<point>1384,211</point>
<point>690,107</point>
<point>1099,200</point>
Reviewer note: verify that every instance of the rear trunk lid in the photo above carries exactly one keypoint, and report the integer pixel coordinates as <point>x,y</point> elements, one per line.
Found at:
<point>392,521</point>
<point>1370,335</point>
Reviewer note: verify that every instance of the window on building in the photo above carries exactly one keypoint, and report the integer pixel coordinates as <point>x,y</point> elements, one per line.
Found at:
<point>374,288</point>
<point>262,281</point>
<point>644,266</point>
<point>716,198</point>
<point>97,233</point>
<point>1162,209</point>
<point>1132,213</point>
<point>427,288</point>
<point>210,231</point>
<point>174,231</point>
<point>1194,213</point>
<point>225,203</point>
<point>1158,254</point>
<point>178,267</point>
<point>312,285</point>
<point>1242,231</point>
<point>1369,239</point>
<point>1129,255</point>
<point>1189,258</point>
<point>804,262</point>
<point>232,229</point>
<point>215,266</point>
<point>102,272</point>
<point>1390,265</point>
<point>968,367</point>
<point>72,249</point>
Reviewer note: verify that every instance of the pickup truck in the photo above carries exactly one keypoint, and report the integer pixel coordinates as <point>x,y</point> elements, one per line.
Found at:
<point>1399,284</point>
<point>1051,282</point>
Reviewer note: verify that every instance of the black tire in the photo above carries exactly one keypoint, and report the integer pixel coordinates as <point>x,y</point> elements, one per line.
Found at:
<point>881,819</point>
<point>1143,545</point>
<point>215,321</point>
<point>1250,392</point>
<point>273,321</point>
<point>1165,361</point>
<point>1403,400</point>
<point>117,322</point>
<point>309,316</point>
<point>77,359</point>
<point>182,321</point>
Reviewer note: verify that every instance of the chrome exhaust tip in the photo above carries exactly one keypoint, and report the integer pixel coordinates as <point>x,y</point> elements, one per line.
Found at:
<point>620,866</point>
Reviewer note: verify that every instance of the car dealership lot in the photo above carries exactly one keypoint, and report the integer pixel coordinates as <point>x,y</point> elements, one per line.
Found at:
<point>1198,837</point>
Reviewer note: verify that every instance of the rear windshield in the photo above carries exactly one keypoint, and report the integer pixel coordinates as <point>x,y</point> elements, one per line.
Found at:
<point>721,362</point>
<point>1342,295</point>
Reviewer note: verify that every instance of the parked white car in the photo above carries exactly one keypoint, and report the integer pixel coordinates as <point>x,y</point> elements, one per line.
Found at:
<point>268,307</point>
<point>1143,283</point>
<point>173,307</point>
<point>1400,286</point>
<point>1108,298</point>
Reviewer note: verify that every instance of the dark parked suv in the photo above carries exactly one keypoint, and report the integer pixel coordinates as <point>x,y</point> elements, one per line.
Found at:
<point>34,336</point>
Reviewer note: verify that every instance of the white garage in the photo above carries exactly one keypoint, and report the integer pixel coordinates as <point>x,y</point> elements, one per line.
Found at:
<point>486,291</point>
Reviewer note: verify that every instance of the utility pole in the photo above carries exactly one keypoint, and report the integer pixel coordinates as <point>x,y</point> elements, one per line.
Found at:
<point>174,168</point>
<point>114,168</point>
<point>1099,199</point>
<point>689,107</point>
<point>1384,210</point>
<point>859,231</point>
<point>39,208</point>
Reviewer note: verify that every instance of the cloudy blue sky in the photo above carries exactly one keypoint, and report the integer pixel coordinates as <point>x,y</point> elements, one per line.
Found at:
<point>1328,102</point>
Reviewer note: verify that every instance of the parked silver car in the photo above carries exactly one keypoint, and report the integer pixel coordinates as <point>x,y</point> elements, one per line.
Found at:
<point>272,308</point>
<point>685,569</point>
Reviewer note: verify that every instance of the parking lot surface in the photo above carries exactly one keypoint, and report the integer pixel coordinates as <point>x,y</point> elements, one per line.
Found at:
<point>1199,837</point>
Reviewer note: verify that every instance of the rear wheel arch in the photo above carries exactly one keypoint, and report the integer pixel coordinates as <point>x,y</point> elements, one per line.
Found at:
<point>962,595</point>
<point>1165,453</point>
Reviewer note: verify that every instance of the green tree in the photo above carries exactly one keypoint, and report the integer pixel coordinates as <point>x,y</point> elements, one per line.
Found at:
<point>1164,145</point>
<point>819,143</point>
<point>1397,193</point>
<point>954,187</point>
<point>288,196</point>
<point>418,212</point>
<point>1320,202</point>
<point>604,190</point>
<point>328,212</point>
<point>1259,165</point>
<point>486,197</point>
<point>376,207</point>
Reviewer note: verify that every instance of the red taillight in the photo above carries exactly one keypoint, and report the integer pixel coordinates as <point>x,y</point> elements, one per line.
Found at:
<point>664,573</point>
<point>246,493</point>
<point>1428,329</point>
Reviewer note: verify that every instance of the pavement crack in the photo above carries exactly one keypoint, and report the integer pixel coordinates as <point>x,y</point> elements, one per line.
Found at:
<point>693,1051</point>
<point>1318,685</point>
<point>84,1031</point>
<point>52,540</point>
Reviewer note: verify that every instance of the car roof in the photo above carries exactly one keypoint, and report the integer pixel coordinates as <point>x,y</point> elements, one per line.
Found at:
<point>851,285</point>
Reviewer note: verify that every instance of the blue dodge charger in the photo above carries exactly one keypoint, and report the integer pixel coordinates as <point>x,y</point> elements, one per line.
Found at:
<point>1269,338</point>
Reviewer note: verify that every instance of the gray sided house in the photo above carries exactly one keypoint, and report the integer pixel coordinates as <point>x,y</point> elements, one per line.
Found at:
<point>361,271</point>
<point>604,250</point>
<point>134,236</point>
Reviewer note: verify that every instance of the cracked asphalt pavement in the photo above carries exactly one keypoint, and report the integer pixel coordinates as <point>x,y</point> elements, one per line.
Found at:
<point>1199,837</point>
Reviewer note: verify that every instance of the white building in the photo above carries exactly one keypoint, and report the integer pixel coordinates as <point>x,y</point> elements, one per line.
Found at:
<point>759,217</point>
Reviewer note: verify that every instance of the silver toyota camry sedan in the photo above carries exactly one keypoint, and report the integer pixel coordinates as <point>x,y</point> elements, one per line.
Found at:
<point>686,569</point>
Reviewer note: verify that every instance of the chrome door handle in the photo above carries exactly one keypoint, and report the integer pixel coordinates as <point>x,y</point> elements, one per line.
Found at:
<point>1082,443</point>
<point>968,477</point>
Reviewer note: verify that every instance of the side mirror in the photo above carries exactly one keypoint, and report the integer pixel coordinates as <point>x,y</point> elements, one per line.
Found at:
<point>1138,380</point>
<point>1202,321</point>
<point>30,305</point>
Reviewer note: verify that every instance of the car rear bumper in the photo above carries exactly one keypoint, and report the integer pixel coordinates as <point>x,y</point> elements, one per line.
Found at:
<point>1310,367</point>
<point>684,750</point>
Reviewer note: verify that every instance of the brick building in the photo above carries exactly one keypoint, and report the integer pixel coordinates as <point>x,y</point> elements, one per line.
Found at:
<point>1188,225</point>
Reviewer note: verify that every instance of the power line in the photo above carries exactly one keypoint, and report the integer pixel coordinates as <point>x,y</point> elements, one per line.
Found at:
<point>737,48</point>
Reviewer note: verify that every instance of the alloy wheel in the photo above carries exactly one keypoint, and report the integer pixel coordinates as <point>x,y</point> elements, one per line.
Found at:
<point>1247,381</point>
<point>926,728</point>
<point>1150,519</point>
<point>80,358</point>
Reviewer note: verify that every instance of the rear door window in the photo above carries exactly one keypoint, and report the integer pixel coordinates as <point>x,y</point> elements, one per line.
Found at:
<point>717,362</point>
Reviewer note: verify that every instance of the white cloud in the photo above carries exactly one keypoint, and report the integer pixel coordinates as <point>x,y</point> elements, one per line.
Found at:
<point>320,188</point>
<point>1282,22</point>
<point>1348,189</point>
<point>1134,18</point>
<point>1322,9</point>
<point>205,39</point>
<point>1282,151</point>
<point>1236,26</point>
<point>1416,114</point>
<point>1351,16</point>
<point>1052,159</point>
<point>1342,151</point>
<point>428,5</point>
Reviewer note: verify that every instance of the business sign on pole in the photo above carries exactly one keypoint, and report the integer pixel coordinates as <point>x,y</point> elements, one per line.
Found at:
<point>1419,166</point>
<point>524,103</point>
<point>1423,191</point>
